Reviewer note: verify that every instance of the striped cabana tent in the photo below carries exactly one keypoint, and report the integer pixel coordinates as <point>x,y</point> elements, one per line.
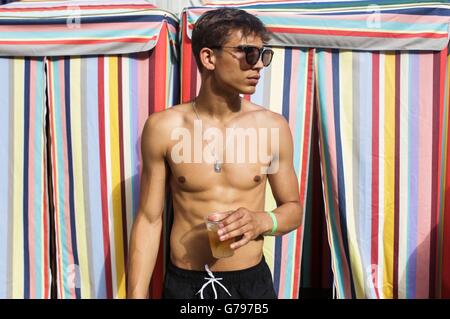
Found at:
<point>80,79</point>
<point>108,65</point>
<point>380,80</point>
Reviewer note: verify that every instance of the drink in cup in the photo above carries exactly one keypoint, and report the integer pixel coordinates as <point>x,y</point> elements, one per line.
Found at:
<point>219,249</point>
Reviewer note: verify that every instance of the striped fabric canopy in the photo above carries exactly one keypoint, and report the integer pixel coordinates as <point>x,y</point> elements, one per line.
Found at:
<point>82,28</point>
<point>24,211</point>
<point>358,25</point>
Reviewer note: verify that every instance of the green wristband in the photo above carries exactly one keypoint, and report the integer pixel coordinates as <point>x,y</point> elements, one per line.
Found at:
<point>274,222</point>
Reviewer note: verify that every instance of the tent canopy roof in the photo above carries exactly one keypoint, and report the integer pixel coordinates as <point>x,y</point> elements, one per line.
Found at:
<point>356,25</point>
<point>128,26</point>
<point>82,28</point>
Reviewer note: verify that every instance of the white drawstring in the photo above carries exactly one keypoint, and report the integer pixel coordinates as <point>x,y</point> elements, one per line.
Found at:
<point>211,280</point>
<point>334,290</point>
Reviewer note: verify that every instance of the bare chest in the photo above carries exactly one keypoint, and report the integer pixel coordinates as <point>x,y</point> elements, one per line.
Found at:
<point>202,156</point>
<point>202,177</point>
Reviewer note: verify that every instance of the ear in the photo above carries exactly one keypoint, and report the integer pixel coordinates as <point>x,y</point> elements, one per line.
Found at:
<point>208,59</point>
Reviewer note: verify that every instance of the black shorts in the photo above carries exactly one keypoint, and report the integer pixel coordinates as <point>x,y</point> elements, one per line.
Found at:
<point>251,283</point>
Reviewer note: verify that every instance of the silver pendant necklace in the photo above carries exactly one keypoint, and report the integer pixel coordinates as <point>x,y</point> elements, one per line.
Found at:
<point>217,164</point>
<point>217,167</point>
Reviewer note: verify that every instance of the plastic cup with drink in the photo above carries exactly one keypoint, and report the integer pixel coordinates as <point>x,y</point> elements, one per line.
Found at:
<point>219,249</point>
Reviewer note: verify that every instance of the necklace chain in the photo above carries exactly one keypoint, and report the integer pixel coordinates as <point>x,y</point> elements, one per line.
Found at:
<point>217,164</point>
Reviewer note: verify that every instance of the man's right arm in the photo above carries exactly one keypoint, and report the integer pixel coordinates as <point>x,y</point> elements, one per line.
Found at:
<point>146,232</point>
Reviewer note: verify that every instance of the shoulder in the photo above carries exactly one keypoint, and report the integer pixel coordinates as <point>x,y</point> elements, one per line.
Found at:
<point>163,122</point>
<point>266,116</point>
<point>159,127</point>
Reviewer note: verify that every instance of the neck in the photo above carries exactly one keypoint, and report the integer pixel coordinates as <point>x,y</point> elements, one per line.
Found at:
<point>218,107</point>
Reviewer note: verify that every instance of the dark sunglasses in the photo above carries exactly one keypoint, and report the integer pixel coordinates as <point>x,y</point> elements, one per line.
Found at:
<point>253,53</point>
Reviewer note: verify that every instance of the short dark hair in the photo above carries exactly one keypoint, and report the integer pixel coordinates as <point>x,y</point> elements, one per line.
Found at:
<point>213,28</point>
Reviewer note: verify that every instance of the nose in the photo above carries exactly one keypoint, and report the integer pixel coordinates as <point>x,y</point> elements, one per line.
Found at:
<point>259,65</point>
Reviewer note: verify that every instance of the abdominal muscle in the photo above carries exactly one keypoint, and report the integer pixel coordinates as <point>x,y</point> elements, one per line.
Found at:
<point>189,239</point>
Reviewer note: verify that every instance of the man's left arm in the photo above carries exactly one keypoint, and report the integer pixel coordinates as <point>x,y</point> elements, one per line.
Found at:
<point>284,184</point>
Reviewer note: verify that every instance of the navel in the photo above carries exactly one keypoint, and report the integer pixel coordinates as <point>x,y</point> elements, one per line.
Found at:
<point>257,179</point>
<point>182,179</point>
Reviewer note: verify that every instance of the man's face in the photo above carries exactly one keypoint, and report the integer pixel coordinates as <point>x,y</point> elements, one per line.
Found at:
<point>232,72</point>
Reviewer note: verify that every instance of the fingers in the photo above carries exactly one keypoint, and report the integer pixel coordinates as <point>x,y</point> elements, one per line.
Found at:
<point>240,223</point>
<point>226,229</point>
<point>245,229</point>
<point>233,222</point>
<point>245,239</point>
<point>236,215</point>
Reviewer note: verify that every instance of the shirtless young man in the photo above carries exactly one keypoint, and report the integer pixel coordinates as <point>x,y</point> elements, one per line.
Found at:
<point>228,45</point>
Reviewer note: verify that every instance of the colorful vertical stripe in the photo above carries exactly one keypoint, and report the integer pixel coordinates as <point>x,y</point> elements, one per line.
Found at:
<point>444,224</point>
<point>383,144</point>
<point>24,222</point>
<point>98,106</point>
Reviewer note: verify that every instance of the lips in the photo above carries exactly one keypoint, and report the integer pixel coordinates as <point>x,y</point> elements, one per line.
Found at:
<point>253,79</point>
